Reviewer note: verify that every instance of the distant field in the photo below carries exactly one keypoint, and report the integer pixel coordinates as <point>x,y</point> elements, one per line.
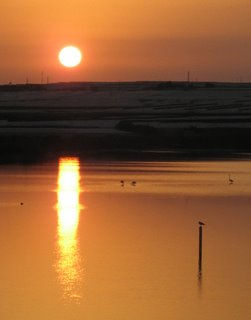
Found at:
<point>87,117</point>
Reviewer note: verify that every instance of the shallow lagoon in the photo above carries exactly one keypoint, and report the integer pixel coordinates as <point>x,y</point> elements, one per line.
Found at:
<point>77,243</point>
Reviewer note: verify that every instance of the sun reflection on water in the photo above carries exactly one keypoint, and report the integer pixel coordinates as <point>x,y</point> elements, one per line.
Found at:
<point>68,208</point>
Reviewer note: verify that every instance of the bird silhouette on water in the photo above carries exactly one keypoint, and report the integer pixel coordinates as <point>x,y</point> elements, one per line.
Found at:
<point>133,183</point>
<point>122,183</point>
<point>230,181</point>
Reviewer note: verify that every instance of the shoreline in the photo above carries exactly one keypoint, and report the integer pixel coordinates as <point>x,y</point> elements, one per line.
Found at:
<point>173,120</point>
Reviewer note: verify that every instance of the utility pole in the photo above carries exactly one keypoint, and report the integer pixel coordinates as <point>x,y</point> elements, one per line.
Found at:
<point>188,76</point>
<point>42,77</point>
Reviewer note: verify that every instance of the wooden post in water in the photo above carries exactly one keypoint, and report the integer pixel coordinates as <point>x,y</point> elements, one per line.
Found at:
<point>200,244</point>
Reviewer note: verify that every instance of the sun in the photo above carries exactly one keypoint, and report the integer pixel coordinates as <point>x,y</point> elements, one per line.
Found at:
<point>70,56</point>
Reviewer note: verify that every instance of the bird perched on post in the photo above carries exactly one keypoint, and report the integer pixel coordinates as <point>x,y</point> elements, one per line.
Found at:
<point>201,223</point>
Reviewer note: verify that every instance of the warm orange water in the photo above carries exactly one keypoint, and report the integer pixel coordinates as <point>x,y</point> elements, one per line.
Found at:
<point>84,247</point>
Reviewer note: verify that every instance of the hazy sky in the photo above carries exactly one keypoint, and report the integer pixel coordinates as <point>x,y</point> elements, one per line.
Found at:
<point>126,40</point>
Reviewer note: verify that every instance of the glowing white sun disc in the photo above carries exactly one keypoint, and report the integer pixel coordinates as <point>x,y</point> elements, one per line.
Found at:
<point>70,56</point>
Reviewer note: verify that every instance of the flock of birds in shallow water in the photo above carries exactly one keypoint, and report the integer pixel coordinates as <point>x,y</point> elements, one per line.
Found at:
<point>132,183</point>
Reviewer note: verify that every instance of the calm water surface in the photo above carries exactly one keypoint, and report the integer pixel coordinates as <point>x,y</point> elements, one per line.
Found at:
<point>76,243</point>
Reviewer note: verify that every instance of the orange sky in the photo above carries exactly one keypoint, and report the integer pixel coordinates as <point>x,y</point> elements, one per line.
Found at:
<point>126,40</point>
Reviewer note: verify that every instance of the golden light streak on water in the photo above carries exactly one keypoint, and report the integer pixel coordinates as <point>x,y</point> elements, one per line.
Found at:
<point>68,208</point>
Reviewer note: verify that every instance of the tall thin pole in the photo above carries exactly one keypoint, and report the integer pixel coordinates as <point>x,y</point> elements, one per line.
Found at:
<point>188,76</point>
<point>200,248</point>
<point>42,77</point>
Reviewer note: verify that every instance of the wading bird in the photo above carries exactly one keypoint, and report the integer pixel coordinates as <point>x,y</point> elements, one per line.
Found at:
<point>230,181</point>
